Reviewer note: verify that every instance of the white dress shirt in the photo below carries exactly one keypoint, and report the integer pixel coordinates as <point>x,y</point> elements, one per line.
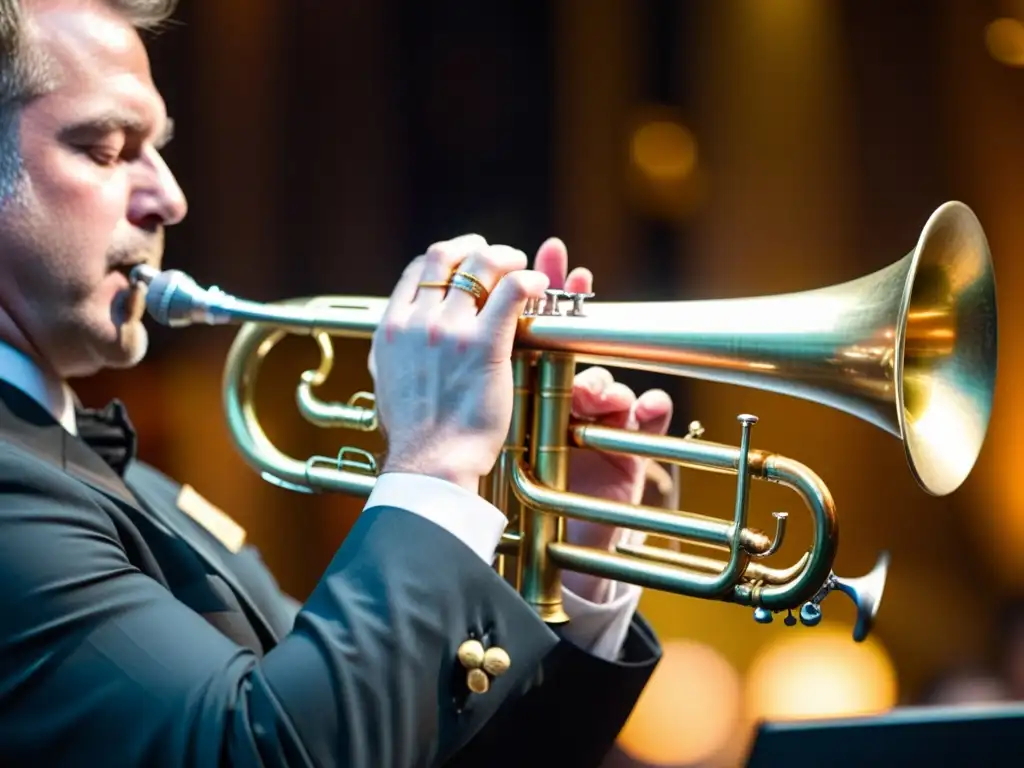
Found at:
<point>598,627</point>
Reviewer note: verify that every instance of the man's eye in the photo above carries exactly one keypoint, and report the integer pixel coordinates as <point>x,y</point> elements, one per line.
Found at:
<point>101,154</point>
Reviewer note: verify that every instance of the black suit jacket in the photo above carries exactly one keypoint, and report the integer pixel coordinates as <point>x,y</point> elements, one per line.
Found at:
<point>129,636</point>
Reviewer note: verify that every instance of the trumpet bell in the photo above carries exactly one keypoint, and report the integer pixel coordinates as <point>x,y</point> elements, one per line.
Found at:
<point>910,348</point>
<point>946,349</point>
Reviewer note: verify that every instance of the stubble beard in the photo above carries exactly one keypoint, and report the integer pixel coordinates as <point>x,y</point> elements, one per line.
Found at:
<point>95,348</point>
<point>129,307</point>
<point>77,346</point>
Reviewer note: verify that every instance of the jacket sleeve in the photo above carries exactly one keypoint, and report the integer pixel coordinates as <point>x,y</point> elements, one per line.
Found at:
<point>573,714</point>
<point>101,665</point>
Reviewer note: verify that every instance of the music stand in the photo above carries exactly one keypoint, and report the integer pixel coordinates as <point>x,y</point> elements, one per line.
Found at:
<point>938,736</point>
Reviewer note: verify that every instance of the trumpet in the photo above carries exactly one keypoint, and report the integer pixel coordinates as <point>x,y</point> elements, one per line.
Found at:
<point>910,348</point>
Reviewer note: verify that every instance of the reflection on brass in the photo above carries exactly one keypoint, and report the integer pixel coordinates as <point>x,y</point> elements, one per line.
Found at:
<point>910,348</point>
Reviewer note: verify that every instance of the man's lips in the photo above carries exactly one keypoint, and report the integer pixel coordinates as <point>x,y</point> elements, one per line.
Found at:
<point>125,268</point>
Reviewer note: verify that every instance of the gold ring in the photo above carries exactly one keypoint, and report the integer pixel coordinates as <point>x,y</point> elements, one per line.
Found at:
<point>433,284</point>
<point>470,284</point>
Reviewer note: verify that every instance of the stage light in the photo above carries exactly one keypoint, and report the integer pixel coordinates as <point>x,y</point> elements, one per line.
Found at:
<point>820,673</point>
<point>664,150</point>
<point>1004,39</point>
<point>688,712</point>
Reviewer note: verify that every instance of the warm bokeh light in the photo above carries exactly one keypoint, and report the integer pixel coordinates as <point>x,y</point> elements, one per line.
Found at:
<point>998,518</point>
<point>820,673</point>
<point>689,711</point>
<point>664,150</point>
<point>1004,39</point>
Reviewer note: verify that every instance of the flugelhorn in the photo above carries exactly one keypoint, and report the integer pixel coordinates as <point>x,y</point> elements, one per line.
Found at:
<point>910,348</point>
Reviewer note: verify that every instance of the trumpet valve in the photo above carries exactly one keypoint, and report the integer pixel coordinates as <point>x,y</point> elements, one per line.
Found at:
<point>551,304</point>
<point>694,431</point>
<point>747,421</point>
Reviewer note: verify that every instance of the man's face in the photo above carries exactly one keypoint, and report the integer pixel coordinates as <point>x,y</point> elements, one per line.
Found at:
<point>95,195</point>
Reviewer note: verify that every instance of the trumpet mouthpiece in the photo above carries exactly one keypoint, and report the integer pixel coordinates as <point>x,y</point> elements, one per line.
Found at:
<point>174,299</point>
<point>143,273</point>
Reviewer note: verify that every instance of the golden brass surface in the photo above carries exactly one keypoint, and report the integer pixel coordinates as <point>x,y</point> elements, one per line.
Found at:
<point>910,348</point>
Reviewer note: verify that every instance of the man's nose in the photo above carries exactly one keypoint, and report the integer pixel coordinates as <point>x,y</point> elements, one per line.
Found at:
<point>157,199</point>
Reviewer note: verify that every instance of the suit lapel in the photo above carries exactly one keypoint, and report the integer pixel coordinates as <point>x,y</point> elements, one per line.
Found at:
<point>154,503</point>
<point>78,460</point>
<point>25,423</point>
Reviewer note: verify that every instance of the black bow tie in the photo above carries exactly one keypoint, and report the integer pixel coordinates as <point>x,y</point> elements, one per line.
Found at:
<point>110,433</point>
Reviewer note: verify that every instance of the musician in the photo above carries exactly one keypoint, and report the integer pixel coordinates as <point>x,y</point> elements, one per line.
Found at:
<point>135,629</point>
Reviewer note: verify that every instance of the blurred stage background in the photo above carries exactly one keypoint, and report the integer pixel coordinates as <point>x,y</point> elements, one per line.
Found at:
<point>684,150</point>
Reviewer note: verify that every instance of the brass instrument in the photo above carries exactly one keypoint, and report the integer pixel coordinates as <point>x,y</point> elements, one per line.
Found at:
<point>910,348</point>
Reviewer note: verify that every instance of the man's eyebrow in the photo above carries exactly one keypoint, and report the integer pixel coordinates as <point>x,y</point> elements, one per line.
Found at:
<point>110,122</point>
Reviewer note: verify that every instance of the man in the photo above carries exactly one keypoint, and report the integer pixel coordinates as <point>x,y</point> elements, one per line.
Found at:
<point>130,634</point>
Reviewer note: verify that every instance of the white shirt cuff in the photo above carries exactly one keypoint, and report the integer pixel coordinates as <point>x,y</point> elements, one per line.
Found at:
<point>599,628</point>
<point>475,522</point>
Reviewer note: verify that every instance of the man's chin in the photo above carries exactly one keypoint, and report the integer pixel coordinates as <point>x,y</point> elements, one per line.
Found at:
<point>131,346</point>
<point>125,362</point>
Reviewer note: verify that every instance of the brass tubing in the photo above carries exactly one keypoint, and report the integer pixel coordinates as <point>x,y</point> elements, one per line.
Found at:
<point>510,543</point>
<point>252,345</point>
<point>765,466</point>
<point>776,468</point>
<point>495,486</point>
<point>354,317</point>
<point>806,483</point>
<point>651,575</point>
<point>329,415</point>
<point>753,571</point>
<point>683,525</point>
<point>549,455</point>
<point>682,581</point>
<point>692,453</point>
<point>516,441</point>
<point>638,518</point>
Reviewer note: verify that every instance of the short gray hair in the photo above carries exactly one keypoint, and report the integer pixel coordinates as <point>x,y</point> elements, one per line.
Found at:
<point>24,74</point>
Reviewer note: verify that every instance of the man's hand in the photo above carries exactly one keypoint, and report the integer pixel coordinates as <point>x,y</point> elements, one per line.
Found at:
<point>598,397</point>
<point>442,368</point>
